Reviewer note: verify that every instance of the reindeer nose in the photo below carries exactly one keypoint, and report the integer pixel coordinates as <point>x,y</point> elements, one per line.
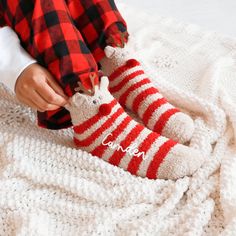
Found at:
<point>105,109</point>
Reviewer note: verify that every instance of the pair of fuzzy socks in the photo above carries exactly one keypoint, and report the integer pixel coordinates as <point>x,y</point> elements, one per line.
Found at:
<point>104,129</point>
<point>133,89</point>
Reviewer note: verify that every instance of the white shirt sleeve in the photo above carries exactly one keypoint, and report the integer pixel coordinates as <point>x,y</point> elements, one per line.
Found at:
<point>14,59</point>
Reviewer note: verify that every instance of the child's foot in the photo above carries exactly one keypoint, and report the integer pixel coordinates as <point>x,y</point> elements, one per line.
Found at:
<point>133,89</point>
<point>103,129</point>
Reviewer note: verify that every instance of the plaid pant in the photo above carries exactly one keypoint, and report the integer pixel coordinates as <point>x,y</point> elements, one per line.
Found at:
<point>65,36</point>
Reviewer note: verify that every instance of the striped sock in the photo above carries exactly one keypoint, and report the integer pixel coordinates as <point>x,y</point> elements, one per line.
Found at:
<point>133,89</point>
<point>104,129</point>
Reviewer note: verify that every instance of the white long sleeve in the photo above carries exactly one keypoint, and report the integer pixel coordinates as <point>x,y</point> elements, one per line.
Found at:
<point>13,58</point>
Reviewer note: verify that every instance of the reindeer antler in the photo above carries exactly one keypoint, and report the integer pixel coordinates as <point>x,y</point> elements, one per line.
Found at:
<point>92,77</point>
<point>81,88</point>
<point>123,35</point>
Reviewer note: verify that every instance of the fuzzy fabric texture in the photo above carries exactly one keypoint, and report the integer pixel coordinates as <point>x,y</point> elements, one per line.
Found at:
<point>49,187</point>
<point>105,130</point>
<point>133,89</point>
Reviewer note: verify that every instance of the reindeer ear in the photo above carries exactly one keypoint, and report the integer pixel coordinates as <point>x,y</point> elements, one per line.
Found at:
<point>109,51</point>
<point>104,83</point>
<point>77,100</point>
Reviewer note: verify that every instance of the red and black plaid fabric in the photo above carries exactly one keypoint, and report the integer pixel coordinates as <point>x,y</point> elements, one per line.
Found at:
<point>67,38</point>
<point>97,22</point>
<point>2,23</point>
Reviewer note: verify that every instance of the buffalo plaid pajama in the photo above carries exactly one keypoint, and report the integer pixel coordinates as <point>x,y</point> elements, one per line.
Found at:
<point>65,36</point>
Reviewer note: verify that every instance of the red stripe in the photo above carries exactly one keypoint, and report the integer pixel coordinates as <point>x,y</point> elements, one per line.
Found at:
<point>143,95</point>
<point>128,65</point>
<point>158,158</point>
<point>151,108</point>
<point>124,96</point>
<point>125,80</point>
<point>79,129</point>
<point>118,155</point>
<point>76,141</point>
<point>144,147</point>
<point>89,140</point>
<point>163,119</point>
<point>98,151</point>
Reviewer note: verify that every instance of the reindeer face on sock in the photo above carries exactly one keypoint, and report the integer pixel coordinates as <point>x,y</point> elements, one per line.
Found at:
<point>83,106</point>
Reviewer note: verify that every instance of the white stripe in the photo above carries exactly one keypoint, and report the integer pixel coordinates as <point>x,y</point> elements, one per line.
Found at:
<point>123,75</point>
<point>150,155</point>
<point>130,99</point>
<point>122,136</point>
<point>127,157</point>
<point>157,114</point>
<point>99,139</point>
<point>98,124</point>
<point>128,85</point>
<point>147,102</point>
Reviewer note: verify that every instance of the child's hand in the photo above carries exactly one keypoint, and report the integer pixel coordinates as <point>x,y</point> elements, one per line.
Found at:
<point>37,88</point>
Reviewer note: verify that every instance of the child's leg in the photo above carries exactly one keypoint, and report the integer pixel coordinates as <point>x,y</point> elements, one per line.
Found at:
<point>104,129</point>
<point>47,32</point>
<point>131,86</point>
<point>100,24</point>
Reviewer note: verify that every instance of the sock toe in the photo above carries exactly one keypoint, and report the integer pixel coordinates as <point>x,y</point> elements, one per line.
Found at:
<point>181,161</point>
<point>180,127</point>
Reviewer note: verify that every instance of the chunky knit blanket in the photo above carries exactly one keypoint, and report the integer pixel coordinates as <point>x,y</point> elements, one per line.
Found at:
<point>48,187</point>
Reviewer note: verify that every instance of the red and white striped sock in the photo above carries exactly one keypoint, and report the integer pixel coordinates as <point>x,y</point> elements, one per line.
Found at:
<point>133,89</point>
<point>104,129</point>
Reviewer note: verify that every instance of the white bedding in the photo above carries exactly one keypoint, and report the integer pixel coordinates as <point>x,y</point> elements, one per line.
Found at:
<point>218,15</point>
<point>49,188</point>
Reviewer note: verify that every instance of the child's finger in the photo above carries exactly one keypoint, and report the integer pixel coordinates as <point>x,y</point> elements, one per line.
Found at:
<point>55,86</point>
<point>41,103</point>
<point>48,93</point>
<point>29,103</point>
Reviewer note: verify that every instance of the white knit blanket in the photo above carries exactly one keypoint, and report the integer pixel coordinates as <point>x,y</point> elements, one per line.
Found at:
<point>48,187</point>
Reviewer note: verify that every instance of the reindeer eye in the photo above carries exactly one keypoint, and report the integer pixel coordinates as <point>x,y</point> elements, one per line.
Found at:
<point>81,91</point>
<point>94,102</point>
<point>100,97</point>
